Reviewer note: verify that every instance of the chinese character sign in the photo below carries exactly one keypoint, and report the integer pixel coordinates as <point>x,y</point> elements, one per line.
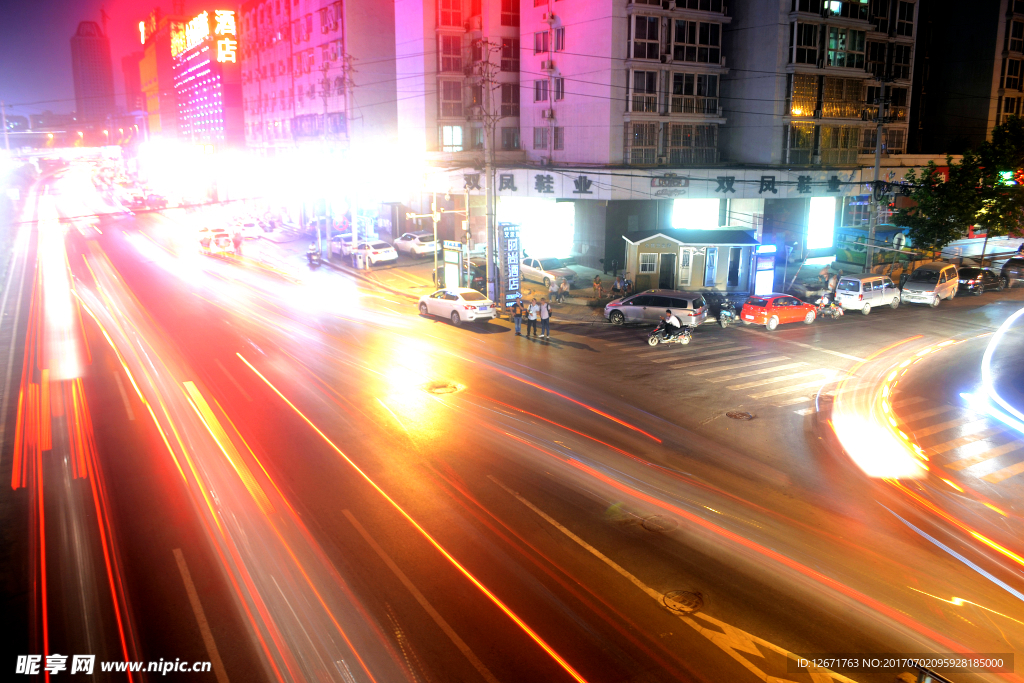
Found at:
<point>510,241</point>
<point>225,26</point>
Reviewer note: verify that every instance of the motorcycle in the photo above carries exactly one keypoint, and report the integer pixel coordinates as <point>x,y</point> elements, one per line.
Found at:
<point>660,335</point>
<point>313,256</point>
<point>825,308</point>
<point>728,315</point>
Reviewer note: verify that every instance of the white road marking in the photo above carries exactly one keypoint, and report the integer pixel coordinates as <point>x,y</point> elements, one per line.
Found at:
<point>792,401</point>
<point>808,346</point>
<point>926,413</point>
<point>907,401</point>
<point>734,366</point>
<point>795,387</point>
<point>964,440</point>
<point>804,411</point>
<point>984,456</point>
<point>1005,473</point>
<point>233,380</point>
<point>124,396</point>
<point>773,380</point>
<point>730,639</point>
<point>204,626</point>
<point>424,603</point>
<point>761,371</point>
<point>705,354</point>
<point>943,426</point>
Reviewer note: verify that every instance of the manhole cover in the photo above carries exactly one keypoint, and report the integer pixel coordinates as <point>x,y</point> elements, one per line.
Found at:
<point>683,601</point>
<point>737,415</point>
<point>659,523</point>
<point>442,387</point>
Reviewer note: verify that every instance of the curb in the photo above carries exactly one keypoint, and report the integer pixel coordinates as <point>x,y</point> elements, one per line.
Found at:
<point>362,276</point>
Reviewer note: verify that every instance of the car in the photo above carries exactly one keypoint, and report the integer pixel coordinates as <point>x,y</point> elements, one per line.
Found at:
<point>250,229</point>
<point>1012,271</point>
<point>545,270</point>
<point>648,307</point>
<point>341,244</point>
<point>862,292</point>
<point>772,310</point>
<point>930,284</point>
<point>216,240</point>
<point>155,201</point>
<point>416,243</point>
<point>458,304</point>
<point>376,252</point>
<point>478,274</point>
<point>977,280</point>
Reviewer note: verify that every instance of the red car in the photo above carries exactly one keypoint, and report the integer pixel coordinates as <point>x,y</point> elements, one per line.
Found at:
<point>771,310</point>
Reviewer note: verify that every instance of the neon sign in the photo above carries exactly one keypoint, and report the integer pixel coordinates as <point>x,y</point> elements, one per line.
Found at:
<point>142,32</point>
<point>195,32</point>
<point>225,27</point>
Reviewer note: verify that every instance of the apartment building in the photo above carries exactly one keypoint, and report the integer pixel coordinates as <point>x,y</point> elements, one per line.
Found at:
<point>315,71</point>
<point>806,77</point>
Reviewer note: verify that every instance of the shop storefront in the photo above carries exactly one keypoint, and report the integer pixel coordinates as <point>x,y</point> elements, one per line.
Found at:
<point>718,261</point>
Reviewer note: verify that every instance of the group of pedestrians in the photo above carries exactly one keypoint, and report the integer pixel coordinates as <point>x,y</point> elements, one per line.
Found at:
<point>533,312</point>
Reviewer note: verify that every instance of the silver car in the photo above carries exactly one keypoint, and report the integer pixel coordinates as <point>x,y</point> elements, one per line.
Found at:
<point>648,307</point>
<point>545,270</point>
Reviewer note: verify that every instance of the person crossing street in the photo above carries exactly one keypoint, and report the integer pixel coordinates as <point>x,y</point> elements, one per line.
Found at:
<point>545,319</point>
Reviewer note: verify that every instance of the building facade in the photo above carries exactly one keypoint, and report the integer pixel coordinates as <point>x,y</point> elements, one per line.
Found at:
<point>93,73</point>
<point>133,100</point>
<point>156,74</point>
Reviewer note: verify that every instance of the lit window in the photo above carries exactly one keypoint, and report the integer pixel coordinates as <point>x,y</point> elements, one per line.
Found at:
<point>451,138</point>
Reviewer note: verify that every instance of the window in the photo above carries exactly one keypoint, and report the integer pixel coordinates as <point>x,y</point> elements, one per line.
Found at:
<point>845,47</point>
<point>851,9</point>
<point>901,61</point>
<point>642,143</point>
<point>646,38</point>
<point>689,144</point>
<point>560,39</point>
<point>1012,80</point>
<point>309,25</point>
<point>476,138</point>
<point>801,143</point>
<point>876,59</point>
<point>805,95</point>
<point>338,84</point>
<point>705,5</point>
<point>895,140</point>
<point>323,19</point>
<point>539,3</point>
<point>559,88</point>
<point>803,39</point>
<point>451,98</point>
<point>451,53</point>
<point>839,144</point>
<point>510,12</point>
<point>540,90</point>
<point>905,19</point>
<point>559,135</point>
<point>451,138</point>
<point>540,138</point>
<point>813,6</point>
<point>510,138</point>
<point>648,262</point>
<point>694,94</point>
<point>451,13</point>
<point>1016,36</point>
<point>842,98</point>
<point>880,15</point>
<point>540,42</point>
<point>509,53</point>
<point>697,41</point>
<point>510,99</point>
<point>645,91</point>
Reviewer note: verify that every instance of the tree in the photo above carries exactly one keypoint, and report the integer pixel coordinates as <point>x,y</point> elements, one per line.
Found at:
<point>1002,161</point>
<point>944,208</point>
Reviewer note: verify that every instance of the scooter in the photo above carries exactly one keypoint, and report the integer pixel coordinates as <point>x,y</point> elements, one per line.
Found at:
<point>660,334</point>
<point>728,315</point>
<point>313,256</point>
<point>824,308</point>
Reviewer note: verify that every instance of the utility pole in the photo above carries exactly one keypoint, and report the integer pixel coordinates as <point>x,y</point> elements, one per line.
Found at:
<point>3,115</point>
<point>490,121</point>
<point>881,117</point>
<point>435,216</point>
<point>325,91</point>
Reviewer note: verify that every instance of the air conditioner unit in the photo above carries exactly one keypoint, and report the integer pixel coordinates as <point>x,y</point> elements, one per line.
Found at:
<point>547,113</point>
<point>666,59</point>
<point>548,18</point>
<point>662,160</point>
<point>547,65</point>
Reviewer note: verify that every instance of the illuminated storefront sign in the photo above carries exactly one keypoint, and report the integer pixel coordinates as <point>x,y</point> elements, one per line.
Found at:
<point>510,242</point>
<point>821,222</point>
<point>197,31</point>
<point>225,27</point>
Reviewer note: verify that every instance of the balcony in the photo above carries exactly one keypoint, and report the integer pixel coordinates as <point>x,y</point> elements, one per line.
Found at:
<point>838,157</point>
<point>841,109</point>
<point>690,156</point>
<point>682,104</point>
<point>644,103</point>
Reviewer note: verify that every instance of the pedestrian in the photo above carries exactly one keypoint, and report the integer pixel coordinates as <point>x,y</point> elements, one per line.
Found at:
<point>553,290</point>
<point>563,290</point>
<point>532,313</point>
<point>833,282</point>
<point>545,319</point>
<point>236,240</point>
<point>617,286</point>
<point>517,316</point>
<point>627,284</point>
<point>598,288</point>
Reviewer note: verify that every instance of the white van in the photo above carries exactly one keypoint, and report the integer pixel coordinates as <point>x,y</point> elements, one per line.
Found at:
<point>930,284</point>
<point>861,292</point>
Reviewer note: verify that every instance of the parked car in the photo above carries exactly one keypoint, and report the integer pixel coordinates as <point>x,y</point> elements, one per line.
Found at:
<point>862,292</point>
<point>930,284</point>
<point>977,280</point>
<point>457,304</point>
<point>772,310</point>
<point>376,252</point>
<point>416,243</point>
<point>648,307</point>
<point>250,229</point>
<point>1012,271</point>
<point>478,274</point>
<point>545,270</point>
<point>341,245</point>
<point>155,201</point>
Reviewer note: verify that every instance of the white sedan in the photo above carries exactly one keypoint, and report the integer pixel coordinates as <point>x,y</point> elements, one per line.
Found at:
<point>416,243</point>
<point>458,304</point>
<point>375,252</point>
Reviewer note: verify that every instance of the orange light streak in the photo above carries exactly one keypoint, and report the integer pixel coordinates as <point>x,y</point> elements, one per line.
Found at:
<point>465,572</point>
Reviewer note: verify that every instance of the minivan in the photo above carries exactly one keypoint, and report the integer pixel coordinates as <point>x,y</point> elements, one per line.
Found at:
<point>648,307</point>
<point>861,292</point>
<point>930,284</point>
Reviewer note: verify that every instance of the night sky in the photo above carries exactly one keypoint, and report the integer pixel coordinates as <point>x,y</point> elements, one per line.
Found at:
<point>35,48</point>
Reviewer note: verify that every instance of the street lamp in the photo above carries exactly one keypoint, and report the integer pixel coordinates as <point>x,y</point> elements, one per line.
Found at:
<point>435,216</point>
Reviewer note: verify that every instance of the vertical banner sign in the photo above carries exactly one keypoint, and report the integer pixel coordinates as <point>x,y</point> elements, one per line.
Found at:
<point>510,242</point>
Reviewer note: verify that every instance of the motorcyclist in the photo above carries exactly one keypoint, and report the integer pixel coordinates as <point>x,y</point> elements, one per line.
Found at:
<point>672,324</point>
<point>312,253</point>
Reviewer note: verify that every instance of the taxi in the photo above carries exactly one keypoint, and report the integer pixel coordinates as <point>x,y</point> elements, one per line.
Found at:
<point>772,310</point>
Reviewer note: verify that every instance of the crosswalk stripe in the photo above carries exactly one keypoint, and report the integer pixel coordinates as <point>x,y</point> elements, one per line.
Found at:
<point>926,413</point>
<point>1005,473</point>
<point>651,353</point>
<point>793,401</point>
<point>938,449</point>
<point>978,458</point>
<point>705,355</point>
<point>907,401</point>
<point>762,371</point>
<point>744,364</point>
<point>804,411</point>
<point>943,426</point>
<point>795,387</point>
<point>773,380</point>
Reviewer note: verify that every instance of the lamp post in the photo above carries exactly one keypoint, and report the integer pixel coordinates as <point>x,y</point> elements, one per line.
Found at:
<point>435,216</point>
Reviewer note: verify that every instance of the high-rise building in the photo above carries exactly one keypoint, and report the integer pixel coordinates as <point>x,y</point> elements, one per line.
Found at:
<point>133,99</point>
<point>317,71</point>
<point>156,73</point>
<point>92,72</point>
